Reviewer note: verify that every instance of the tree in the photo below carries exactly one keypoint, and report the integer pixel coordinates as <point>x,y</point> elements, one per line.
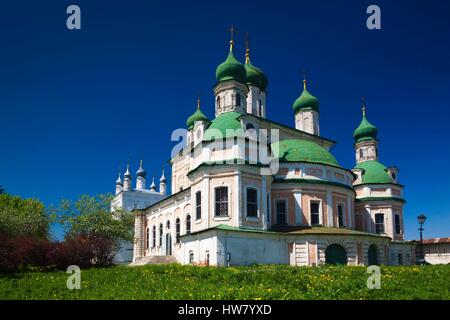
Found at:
<point>2,190</point>
<point>23,217</point>
<point>91,215</point>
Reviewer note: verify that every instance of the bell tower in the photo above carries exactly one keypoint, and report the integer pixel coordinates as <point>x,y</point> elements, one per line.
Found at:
<point>231,89</point>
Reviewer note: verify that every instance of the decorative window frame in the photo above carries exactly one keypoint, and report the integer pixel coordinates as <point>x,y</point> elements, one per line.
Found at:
<point>229,216</point>
<point>320,211</point>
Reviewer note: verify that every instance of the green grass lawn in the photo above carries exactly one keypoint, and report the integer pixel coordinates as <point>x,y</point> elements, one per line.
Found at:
<point>255,282</point>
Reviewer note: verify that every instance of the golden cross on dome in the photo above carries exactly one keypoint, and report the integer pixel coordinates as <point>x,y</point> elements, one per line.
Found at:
<point>247,48</point>
<point>198,100</point>
<point>363,103</point>
<point>304,78</point>
<point>232,30</point>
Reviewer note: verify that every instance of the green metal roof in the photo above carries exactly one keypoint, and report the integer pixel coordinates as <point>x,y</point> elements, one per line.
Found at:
<point>306,101</point>
<point>198,115</point>
<point>227,123</point>
<point>365,131</point>
<point>368,199</point>
<point>374,172</point>
<point>256,76</point>
<point>296,150</point>
<point>231,69</point>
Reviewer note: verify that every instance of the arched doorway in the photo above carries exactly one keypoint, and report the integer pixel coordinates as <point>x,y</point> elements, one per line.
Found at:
<point>373,255</point>
<point>335,254</point>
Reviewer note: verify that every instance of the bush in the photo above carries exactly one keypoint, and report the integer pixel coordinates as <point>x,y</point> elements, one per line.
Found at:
<point>84,251</point>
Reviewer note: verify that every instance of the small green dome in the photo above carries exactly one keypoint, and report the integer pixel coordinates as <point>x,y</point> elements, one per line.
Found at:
<point>255,75</point>
<point>231,69</point>
<point>198,115</point>
<point>295,150</point>
<point>374,172</point>
<point>365,131</point>
<point>306,101</point>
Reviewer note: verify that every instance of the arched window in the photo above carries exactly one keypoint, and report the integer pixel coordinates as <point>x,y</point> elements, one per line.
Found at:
<point>160,234</point>
<point>361,153</point>
<point>335,254</point>
<point>177,230</point>
<point>168,225</point>
<point>373,255</point>
<point>249,126</point>
<point>258,110</point>
<point>154,237</point>
<point>147,238</point>
<point>188,224</point>
<point>218,103</point>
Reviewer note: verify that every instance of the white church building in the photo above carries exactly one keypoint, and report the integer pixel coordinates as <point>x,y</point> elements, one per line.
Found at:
<point>129,198</point>
<point>248,190</point>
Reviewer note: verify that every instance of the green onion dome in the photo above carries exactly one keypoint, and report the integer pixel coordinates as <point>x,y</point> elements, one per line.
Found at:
<point>306,101</point>
<point>198,115</point>
<point>374,172</point>
<point>295,150</point>
<point>255,76</point>
<point>231,69</point>
<point>365,131</point>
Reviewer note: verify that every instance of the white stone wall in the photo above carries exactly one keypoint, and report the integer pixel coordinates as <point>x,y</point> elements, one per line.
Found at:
<point>308,121</point>
<point>200,245</point>
<point>437,253</point>
<point>129,200</point>
<point>247,249</point>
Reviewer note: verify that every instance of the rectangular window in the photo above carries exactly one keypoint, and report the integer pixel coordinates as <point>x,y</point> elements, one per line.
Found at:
<point>198,205</point>
<point>221,195</point>
<point>359,222</point>
<point>397,224</point>
<point>314,209</point>
<point>379,223</point>
<point>281,211</point>
<point>252,202</point>
<point>238,100</point>
<point>400,259</point>
<point>340,215</point>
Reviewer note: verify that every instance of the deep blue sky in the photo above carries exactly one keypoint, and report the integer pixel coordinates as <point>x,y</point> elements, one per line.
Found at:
<point>75,105</point>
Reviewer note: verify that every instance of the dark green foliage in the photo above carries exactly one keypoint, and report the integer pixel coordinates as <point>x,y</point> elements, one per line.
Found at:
<point>92,215</point>
<point>23,217</point>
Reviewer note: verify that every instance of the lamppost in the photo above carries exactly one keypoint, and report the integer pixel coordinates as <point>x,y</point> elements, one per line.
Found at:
<point>421,218</point>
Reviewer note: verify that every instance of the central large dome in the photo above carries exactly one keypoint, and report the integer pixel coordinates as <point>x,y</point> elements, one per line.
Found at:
<point>296,150</point>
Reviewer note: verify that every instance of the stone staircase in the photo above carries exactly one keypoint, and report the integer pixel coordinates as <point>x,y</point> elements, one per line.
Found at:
<point>153,260</point>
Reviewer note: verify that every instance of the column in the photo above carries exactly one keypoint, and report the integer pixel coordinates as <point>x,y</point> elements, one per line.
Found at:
<point>263,200</point>
<point>139,235</point>
<point>329,209</point>
<point>298,207</point>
